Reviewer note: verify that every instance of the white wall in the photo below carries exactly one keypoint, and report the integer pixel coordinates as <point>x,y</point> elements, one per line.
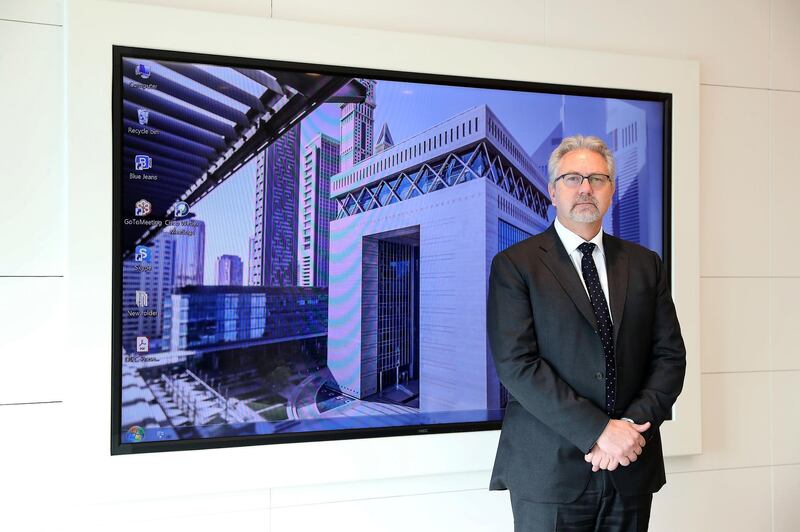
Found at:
<point>748,477</point>
<point>33,243</point>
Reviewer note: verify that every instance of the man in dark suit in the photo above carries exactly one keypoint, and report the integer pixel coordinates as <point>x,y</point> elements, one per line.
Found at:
<point>585,338</point>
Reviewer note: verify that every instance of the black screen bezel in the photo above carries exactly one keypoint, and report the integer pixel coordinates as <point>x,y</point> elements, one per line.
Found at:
<point>119,52</point>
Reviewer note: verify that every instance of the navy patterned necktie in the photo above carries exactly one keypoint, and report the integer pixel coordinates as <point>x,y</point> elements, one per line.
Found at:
<point>604,326</point>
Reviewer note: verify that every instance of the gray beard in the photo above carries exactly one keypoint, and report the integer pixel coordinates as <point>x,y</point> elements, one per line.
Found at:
<point>585,216</point>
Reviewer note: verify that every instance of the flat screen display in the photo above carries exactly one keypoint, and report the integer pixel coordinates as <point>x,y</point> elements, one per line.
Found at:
<point>302,252</point>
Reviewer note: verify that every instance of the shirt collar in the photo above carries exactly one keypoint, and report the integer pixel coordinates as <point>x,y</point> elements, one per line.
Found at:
<point>571,241</point>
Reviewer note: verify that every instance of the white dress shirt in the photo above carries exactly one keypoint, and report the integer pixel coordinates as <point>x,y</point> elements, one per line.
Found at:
<point>571,242</point>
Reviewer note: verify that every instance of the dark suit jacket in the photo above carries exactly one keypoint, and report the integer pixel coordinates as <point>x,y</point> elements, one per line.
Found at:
<point>542,334</point>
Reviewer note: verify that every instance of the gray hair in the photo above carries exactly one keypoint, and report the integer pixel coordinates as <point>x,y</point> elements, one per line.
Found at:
<point>579,142</point>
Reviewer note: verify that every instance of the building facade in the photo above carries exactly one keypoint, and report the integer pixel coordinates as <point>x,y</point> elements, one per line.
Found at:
<point>417,227</point>
<point>316,210</point>
<point>627,139</point>
<point>190,249</point>
<point>229,271</point>
<point>208,317</point>
<point>357,125</point>
<point>273,260</point>
<point>385,140</point>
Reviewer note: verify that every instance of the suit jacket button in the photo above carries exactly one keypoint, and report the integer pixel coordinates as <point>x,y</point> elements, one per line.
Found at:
<point>598,376</point>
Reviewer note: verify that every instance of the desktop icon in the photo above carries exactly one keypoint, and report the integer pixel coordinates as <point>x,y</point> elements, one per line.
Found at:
<point>141,298</point>
<point>142,344</point>
<point>135,433</point>
<point>143,254</point>
<point>143,71</point>
<point>181,209</point>
<point>142,208</point>
<point>142,162</point>
<point>144,116</point>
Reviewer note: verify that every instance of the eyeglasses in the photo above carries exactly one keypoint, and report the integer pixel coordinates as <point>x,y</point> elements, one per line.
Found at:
<point>596,181</point>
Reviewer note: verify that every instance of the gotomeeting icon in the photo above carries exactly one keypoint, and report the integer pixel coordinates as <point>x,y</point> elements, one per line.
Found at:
<point>142,208</point>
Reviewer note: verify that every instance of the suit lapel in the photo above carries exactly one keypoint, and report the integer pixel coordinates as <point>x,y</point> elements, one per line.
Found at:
<point>558,262</point>
<point>617,269</point>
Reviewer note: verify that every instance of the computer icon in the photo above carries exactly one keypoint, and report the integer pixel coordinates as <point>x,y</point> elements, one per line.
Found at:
<point>143,71</point>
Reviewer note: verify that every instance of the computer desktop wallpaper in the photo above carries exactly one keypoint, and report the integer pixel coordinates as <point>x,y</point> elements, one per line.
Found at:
<point>303,252</point>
